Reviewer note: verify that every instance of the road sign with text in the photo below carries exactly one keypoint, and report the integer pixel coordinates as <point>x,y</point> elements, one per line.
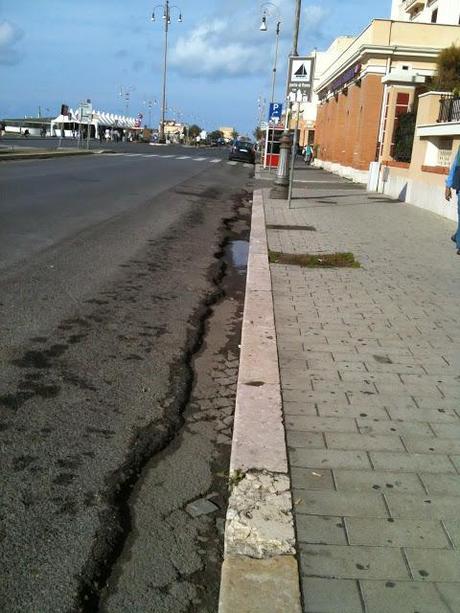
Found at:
<point>275,111</point>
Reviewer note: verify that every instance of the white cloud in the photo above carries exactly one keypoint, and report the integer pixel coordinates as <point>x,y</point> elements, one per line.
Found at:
<point>209,51</point>
<point>10,34</point>
<point>219,48</point>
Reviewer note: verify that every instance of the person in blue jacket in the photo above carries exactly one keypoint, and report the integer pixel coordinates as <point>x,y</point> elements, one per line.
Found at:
<point>453,183</point>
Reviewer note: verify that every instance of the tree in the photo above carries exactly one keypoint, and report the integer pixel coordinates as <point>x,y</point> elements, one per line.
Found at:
<point>258,134</point>
<point>194,131</point>
<point>448,70</point>
<point>216,135</point>
<point>235,134</point>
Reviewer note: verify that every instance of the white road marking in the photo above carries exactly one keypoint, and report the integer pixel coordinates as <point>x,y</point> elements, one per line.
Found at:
<point>248,165</point>
<point>232,163</point>
<point>198,159</point>
<point>215,161</point>
<point>183,157</point>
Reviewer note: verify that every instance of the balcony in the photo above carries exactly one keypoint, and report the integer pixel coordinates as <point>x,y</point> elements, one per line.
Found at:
<point>410,5</point>
<point>449,109</point>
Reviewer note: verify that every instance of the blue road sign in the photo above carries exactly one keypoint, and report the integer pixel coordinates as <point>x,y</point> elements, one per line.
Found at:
<point>276,108</point>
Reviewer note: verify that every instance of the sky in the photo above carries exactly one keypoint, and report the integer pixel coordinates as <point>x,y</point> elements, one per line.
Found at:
<point>55,52</point>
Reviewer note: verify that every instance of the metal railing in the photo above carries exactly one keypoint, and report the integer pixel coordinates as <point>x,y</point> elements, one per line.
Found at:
<point>449,109</point>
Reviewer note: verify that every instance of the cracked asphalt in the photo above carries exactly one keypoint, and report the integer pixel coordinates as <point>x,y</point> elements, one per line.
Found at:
<point>98,334</point>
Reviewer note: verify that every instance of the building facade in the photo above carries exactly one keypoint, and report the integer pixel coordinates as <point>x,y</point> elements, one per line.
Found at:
<point>426,11</point>
<point>376,78</point>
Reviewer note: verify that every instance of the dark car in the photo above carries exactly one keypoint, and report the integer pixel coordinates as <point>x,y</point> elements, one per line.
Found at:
<point>242,151</point>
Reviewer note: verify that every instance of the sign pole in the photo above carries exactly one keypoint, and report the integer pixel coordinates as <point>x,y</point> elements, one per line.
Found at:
<point>267,132</point>
<point>293,155</point>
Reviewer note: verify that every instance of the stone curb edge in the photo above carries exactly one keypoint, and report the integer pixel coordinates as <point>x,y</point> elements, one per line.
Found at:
<point>260,571</point>
<point>4,157</point>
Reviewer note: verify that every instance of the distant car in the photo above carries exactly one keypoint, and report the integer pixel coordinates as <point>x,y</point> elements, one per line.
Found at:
<point>214,143</point>
<point>242,151</point>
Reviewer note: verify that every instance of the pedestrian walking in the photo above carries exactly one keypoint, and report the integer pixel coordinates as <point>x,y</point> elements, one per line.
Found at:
<point>453,183</point>
<point>307,153</point>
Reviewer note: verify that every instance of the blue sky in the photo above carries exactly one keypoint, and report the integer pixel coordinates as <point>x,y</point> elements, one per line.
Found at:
<point>57,51</point>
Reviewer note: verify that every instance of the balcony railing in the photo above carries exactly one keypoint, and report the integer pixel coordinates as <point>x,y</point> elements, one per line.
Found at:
<point>408,4</point>
<point>449,109</point>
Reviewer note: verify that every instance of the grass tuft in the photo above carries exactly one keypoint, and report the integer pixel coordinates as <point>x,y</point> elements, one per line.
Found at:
<point>311,260</point>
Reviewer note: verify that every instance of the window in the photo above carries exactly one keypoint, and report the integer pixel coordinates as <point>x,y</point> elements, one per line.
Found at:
<point>434,16</point>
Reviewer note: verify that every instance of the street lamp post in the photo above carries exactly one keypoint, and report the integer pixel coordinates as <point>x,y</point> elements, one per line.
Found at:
<point>268,8</point>
<point>280,188</point>
<point>167,21</point>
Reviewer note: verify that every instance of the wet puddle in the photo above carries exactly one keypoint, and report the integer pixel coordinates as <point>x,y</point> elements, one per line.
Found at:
<point>237,252</point>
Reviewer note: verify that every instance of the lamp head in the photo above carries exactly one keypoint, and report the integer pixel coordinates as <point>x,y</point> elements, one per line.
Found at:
<point>263,25</point>
<point>180,18</point>
<point>153,16</point>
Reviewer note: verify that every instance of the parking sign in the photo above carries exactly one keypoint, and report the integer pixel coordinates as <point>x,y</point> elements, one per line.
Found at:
<point>275,110</point>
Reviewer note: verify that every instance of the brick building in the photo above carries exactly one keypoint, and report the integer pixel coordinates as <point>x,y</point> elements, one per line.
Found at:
<point>363,91</point>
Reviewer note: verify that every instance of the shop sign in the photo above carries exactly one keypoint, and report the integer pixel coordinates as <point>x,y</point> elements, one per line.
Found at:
<point>345,77</point>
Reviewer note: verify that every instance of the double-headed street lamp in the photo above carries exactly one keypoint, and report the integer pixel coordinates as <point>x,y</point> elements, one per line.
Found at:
<point>166,8</point>
<point>268,10</point>
<point>281,184</point>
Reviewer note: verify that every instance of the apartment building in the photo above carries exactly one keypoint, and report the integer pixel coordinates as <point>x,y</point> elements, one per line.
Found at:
<point>426,11</point>
<point>375,79</point>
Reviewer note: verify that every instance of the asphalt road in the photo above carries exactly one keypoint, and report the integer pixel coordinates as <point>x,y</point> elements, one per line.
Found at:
<point>107,265</point>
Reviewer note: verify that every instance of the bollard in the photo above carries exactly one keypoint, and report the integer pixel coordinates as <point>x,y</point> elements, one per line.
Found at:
<point>280,187</point>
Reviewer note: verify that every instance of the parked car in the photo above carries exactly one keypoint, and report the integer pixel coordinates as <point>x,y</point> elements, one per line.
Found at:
<point>242,151</point>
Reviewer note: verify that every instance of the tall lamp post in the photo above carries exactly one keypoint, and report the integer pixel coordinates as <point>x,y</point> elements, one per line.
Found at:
<point>167,8</point>
<point>280,188</point>
<point>268,9</point>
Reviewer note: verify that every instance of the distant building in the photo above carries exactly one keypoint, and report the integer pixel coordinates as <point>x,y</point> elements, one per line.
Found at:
<point>426,11</point>
<point>227,132</point>
<point>174,130</point>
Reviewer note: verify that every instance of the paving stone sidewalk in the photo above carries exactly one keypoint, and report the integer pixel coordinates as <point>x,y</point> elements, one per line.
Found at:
<point>370,375</point>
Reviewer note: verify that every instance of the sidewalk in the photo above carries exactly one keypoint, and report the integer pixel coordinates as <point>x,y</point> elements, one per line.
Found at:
<point>370,377</point>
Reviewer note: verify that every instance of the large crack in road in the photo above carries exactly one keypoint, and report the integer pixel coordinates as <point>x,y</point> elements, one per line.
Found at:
<point>88,405</point>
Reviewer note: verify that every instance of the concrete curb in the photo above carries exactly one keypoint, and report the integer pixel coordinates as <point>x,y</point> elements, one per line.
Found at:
<point>260,571</point>
<point>41,156</point>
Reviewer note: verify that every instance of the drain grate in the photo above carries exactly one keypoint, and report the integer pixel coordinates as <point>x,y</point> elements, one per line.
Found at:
<point>279,227</point>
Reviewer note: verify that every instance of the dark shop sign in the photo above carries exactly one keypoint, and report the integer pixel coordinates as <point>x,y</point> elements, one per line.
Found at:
<point>345,78</point>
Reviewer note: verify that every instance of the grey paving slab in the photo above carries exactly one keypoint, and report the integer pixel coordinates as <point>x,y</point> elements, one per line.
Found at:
<point>423,507</point>
<point>311,479</point>
<point>402,596</point>
<point>314,423</point>
<point>328,458</point>
<point>441,484</point>
<point>396,533</point>
<point>351,562</point>
<point>331,595</point>
<point>412,462</point>
<point>307,440</point>
<point>401,428</point>
<point>452,527</point>
<point>342,503</point>
<point>367,442</point>
<point>392,422</point>
<point>434,564</point>
<point>321,530</point>
<point>378,481</point>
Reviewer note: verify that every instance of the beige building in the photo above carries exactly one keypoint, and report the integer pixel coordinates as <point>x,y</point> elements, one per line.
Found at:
<point>362,92</point>
<point>437,139</point>
<point>227,132</point>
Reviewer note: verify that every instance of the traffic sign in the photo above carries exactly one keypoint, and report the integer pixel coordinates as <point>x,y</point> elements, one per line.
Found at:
<point>275,111</point>
<point>86,111</point>
<point>300,77</point>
